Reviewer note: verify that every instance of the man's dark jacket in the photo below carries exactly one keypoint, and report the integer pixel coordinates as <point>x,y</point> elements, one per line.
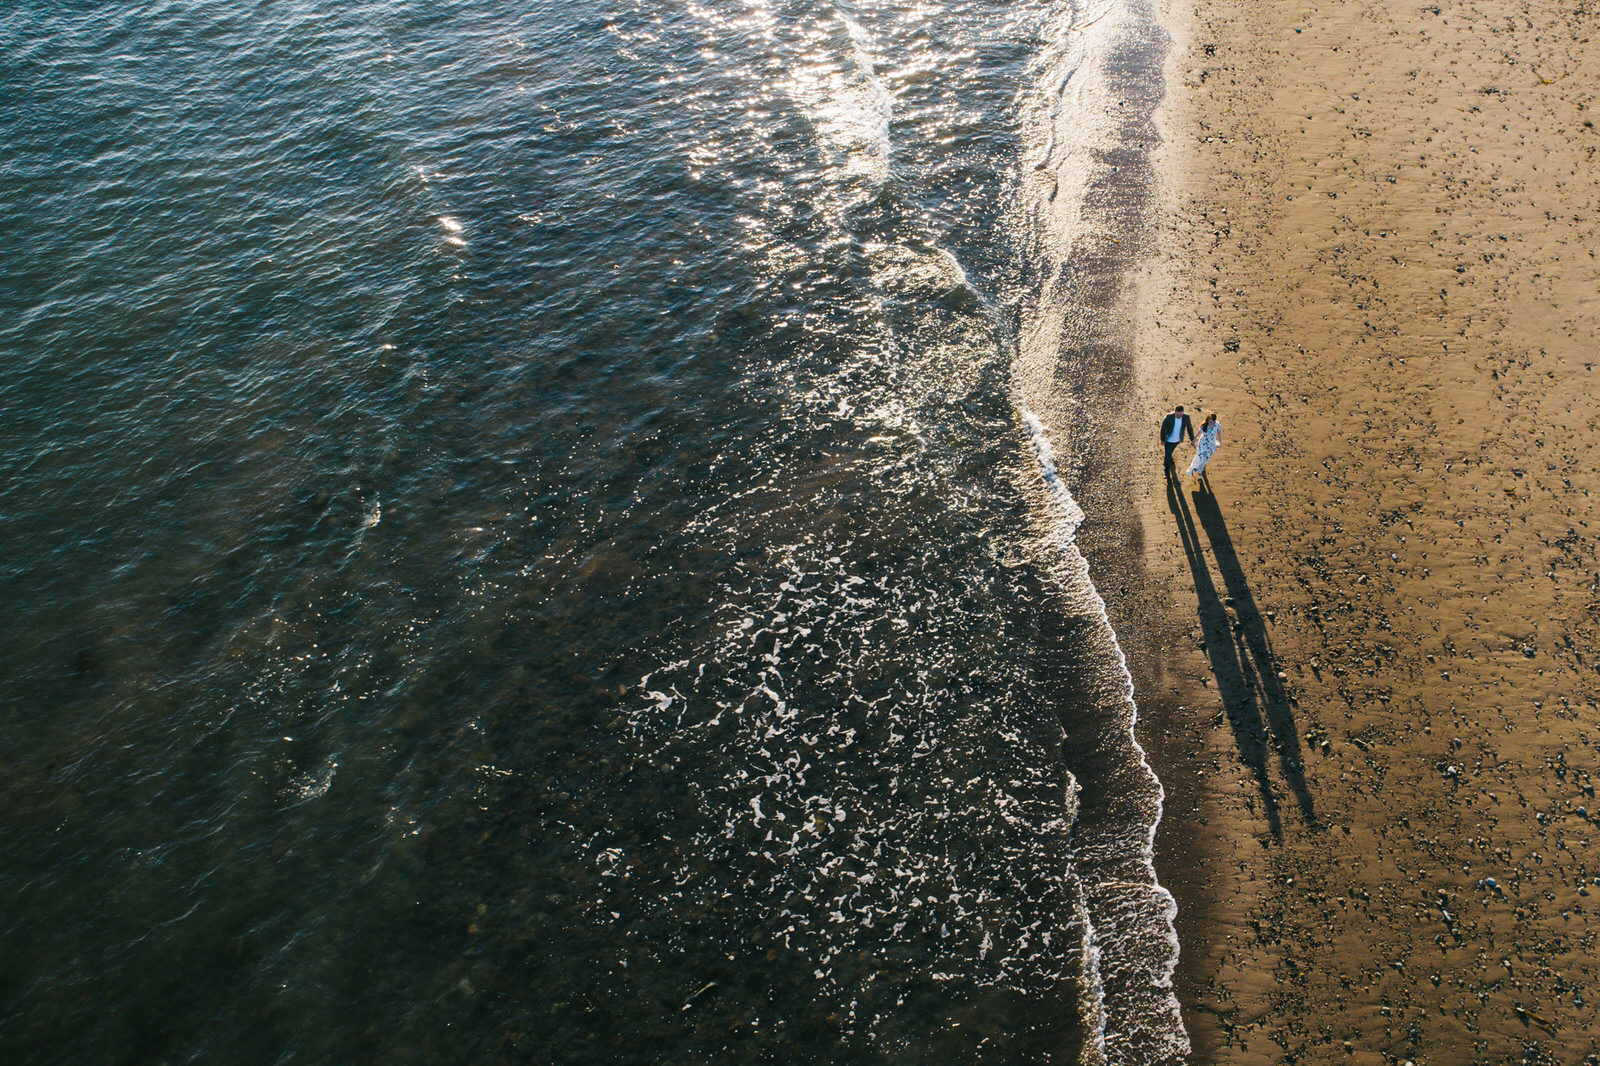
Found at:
<point>1166,426</point>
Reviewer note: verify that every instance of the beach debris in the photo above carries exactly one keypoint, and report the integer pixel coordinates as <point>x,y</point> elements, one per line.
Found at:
<point>1528,1015</point>
<point>697,993</point>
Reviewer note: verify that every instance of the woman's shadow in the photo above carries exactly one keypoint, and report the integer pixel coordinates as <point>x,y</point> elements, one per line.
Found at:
<point>1240,651</point>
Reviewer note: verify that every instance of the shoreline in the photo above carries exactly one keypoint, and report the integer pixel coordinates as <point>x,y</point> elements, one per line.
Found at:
<point>1363,658</point>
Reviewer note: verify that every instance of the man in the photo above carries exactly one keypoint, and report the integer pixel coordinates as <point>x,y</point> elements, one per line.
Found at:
<point>1173,428</point>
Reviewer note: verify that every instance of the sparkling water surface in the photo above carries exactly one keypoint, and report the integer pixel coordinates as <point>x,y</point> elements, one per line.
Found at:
<point>520,543</point>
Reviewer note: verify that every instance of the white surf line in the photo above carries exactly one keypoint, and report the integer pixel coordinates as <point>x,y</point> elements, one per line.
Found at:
<point>1070,516</point>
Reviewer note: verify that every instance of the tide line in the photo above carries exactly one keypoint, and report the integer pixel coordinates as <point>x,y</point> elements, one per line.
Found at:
<point>1164,1020</point>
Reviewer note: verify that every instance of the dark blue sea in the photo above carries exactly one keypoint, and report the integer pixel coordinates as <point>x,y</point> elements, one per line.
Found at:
<point>546,531</point>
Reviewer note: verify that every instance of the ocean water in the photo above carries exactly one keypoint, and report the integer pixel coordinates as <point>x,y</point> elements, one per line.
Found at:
<point>549,531</point>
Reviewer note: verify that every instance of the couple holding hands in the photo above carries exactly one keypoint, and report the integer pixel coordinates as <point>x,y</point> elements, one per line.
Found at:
<point>1175,425</point>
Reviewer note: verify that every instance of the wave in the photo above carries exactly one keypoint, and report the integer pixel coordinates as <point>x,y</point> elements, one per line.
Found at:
<point>1087,121</point>
<point>831,79</point>
<point>838,848</point>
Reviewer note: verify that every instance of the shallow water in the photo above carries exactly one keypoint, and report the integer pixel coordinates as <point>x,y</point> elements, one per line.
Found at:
<point>523,538</point>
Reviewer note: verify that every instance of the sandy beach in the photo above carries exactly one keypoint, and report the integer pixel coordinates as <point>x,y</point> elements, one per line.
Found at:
<point>1377,720</point>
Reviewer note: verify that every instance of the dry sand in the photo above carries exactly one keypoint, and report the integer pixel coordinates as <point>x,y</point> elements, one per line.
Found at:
<point>1376,259</point>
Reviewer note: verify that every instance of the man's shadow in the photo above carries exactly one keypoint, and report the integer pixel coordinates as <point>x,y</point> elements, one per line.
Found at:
<point>1241,655</point>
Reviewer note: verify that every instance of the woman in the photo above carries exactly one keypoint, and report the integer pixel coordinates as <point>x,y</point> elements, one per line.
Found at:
<point>1210,437</point>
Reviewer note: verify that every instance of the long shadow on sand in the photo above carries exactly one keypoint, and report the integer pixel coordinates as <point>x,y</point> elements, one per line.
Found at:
<point>1242,660</point>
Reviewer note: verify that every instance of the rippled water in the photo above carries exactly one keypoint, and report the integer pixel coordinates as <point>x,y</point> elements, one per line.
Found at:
<point>541,531</point>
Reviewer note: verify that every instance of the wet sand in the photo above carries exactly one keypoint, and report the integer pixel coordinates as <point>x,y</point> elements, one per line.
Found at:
<point>1376,713</point>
